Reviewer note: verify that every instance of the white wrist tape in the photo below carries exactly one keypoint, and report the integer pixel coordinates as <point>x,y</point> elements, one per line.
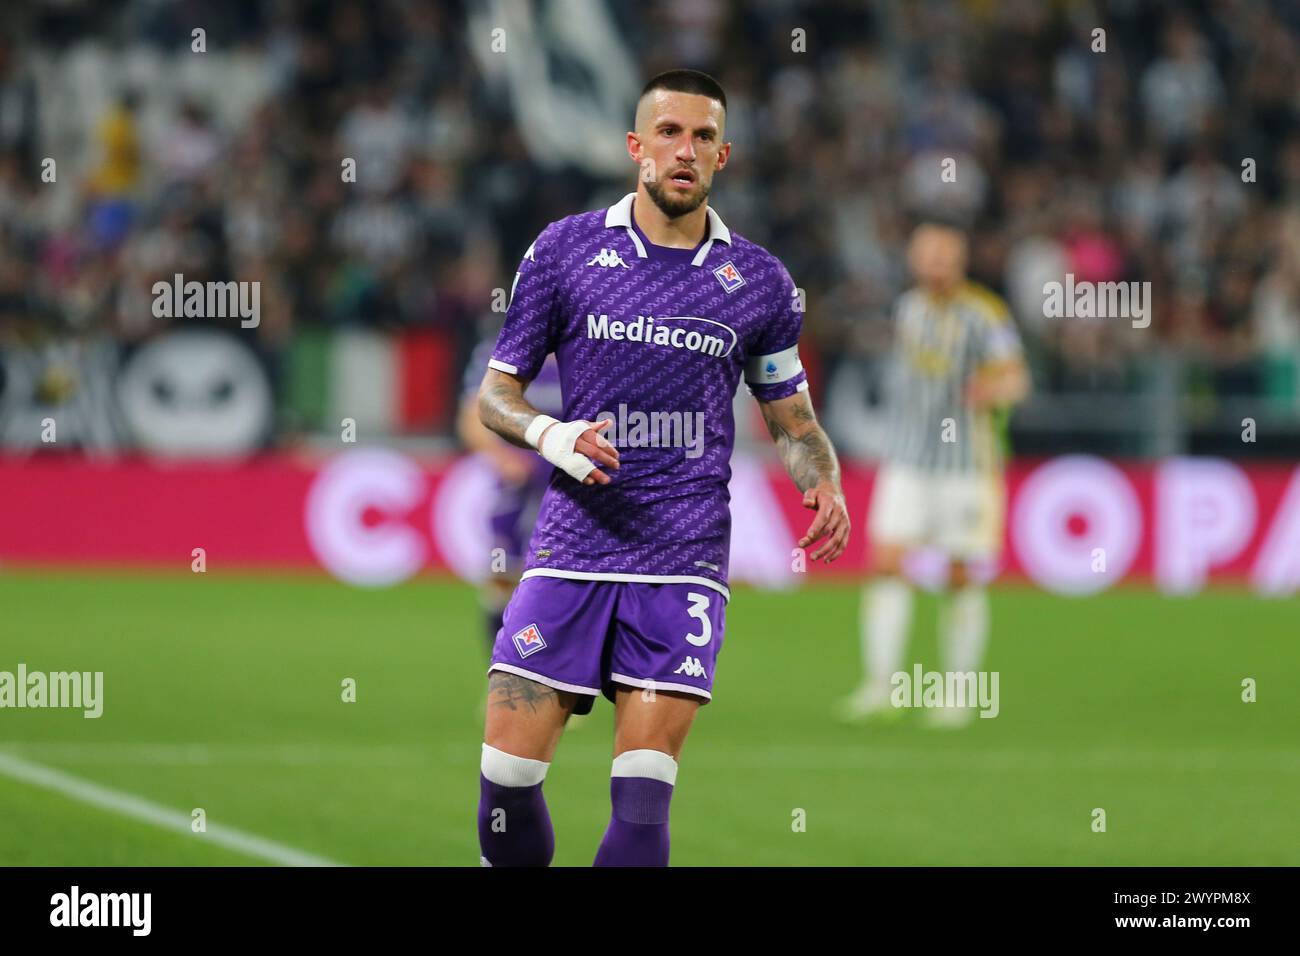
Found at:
<point>533,433</point>
<point>557,448</point>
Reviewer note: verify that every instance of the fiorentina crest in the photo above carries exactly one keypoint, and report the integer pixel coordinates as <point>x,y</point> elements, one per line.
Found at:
<point>730,277</point>
<point>528,641</point>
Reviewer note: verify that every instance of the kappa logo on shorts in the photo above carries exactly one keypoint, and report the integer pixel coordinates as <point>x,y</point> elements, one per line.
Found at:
<point>529,641</point>
<point>691,667</point>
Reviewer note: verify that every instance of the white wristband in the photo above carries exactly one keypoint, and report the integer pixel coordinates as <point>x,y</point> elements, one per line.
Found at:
<point>533,434</point>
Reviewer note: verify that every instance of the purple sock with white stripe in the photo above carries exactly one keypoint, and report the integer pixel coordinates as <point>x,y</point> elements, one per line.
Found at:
<point>514,826</point>
<point>640,790</point>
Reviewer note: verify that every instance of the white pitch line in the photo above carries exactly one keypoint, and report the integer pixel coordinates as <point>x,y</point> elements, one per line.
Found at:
<point>154,813</point>
<point>204,754</point>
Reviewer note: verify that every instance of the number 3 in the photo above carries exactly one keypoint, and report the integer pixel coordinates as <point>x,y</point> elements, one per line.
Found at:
<point>700,609</point>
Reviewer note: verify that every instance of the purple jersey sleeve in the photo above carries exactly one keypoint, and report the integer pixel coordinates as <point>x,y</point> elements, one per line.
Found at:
<point>772,366</point>
<point>528,335</point>
<point>543,392</point>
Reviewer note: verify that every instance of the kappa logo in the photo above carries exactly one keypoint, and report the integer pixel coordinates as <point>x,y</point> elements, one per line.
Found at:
<point>730,277</point>
<point>529,641</point>
<point>607,258</point>
<point>691,667</point>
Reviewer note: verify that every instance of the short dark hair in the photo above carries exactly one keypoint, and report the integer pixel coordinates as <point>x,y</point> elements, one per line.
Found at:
<point>953,222</point>
<point>687,81</point>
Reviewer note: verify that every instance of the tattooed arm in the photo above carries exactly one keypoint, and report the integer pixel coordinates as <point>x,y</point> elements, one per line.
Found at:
<point>810,461</point>
<point>503,409</point>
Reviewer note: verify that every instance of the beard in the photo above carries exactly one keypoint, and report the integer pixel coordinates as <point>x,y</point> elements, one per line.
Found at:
<point>674,205</point>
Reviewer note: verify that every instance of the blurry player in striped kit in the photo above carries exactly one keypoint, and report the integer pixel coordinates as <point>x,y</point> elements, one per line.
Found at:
<point>521,482</point>
<point>956,365</point>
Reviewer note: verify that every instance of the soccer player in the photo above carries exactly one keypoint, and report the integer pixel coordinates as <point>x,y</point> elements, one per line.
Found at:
<point>956,365</point>
<point>655,310</point>
<point>522,478</point>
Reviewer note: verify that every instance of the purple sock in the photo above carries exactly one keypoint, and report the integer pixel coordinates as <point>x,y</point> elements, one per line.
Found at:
<point>514,826</point>
<point>638,829</point>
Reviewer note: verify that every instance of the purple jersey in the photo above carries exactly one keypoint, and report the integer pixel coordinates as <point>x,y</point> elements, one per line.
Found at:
<point>657,339</point>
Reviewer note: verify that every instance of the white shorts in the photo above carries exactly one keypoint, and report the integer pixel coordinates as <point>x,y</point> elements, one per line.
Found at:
<point>960,514</point>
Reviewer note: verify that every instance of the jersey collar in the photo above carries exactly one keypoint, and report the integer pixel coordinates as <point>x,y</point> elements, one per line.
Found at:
<point>619,216</point>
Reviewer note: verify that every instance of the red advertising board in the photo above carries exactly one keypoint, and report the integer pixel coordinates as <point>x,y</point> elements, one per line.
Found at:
<point>1076,524</point>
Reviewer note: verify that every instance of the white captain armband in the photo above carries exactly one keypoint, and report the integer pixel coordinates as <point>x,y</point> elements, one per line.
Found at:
<point>773,369</point>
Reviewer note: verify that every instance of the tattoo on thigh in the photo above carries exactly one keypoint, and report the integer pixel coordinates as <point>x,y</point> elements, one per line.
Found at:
<point>513,691</point>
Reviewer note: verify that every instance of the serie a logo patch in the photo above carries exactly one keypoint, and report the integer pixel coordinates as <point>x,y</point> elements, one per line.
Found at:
<point>529,641</point>
<point>729,276</point>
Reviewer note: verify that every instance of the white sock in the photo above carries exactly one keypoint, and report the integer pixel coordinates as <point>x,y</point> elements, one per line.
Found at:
<point>964,629</point>
<point>886,618</point>
<point>654,764</point>
<point>507,770</point>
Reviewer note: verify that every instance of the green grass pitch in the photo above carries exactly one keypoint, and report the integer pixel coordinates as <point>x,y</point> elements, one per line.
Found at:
<point>225,693</point>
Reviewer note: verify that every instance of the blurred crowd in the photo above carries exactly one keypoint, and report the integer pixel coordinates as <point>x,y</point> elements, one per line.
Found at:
<point>1164,148</point>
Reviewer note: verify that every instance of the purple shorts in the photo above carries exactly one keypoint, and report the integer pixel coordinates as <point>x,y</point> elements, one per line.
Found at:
<point>587,636</point>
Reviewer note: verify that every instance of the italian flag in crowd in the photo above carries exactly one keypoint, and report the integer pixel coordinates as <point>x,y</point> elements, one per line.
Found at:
<point>390,382</point>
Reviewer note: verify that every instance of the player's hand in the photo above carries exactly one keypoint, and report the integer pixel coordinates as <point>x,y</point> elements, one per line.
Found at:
<point>981,391</point>
<point>831,523</point>
<point>595,447</point>
<point>599,449</point>
<point>997,385</point>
